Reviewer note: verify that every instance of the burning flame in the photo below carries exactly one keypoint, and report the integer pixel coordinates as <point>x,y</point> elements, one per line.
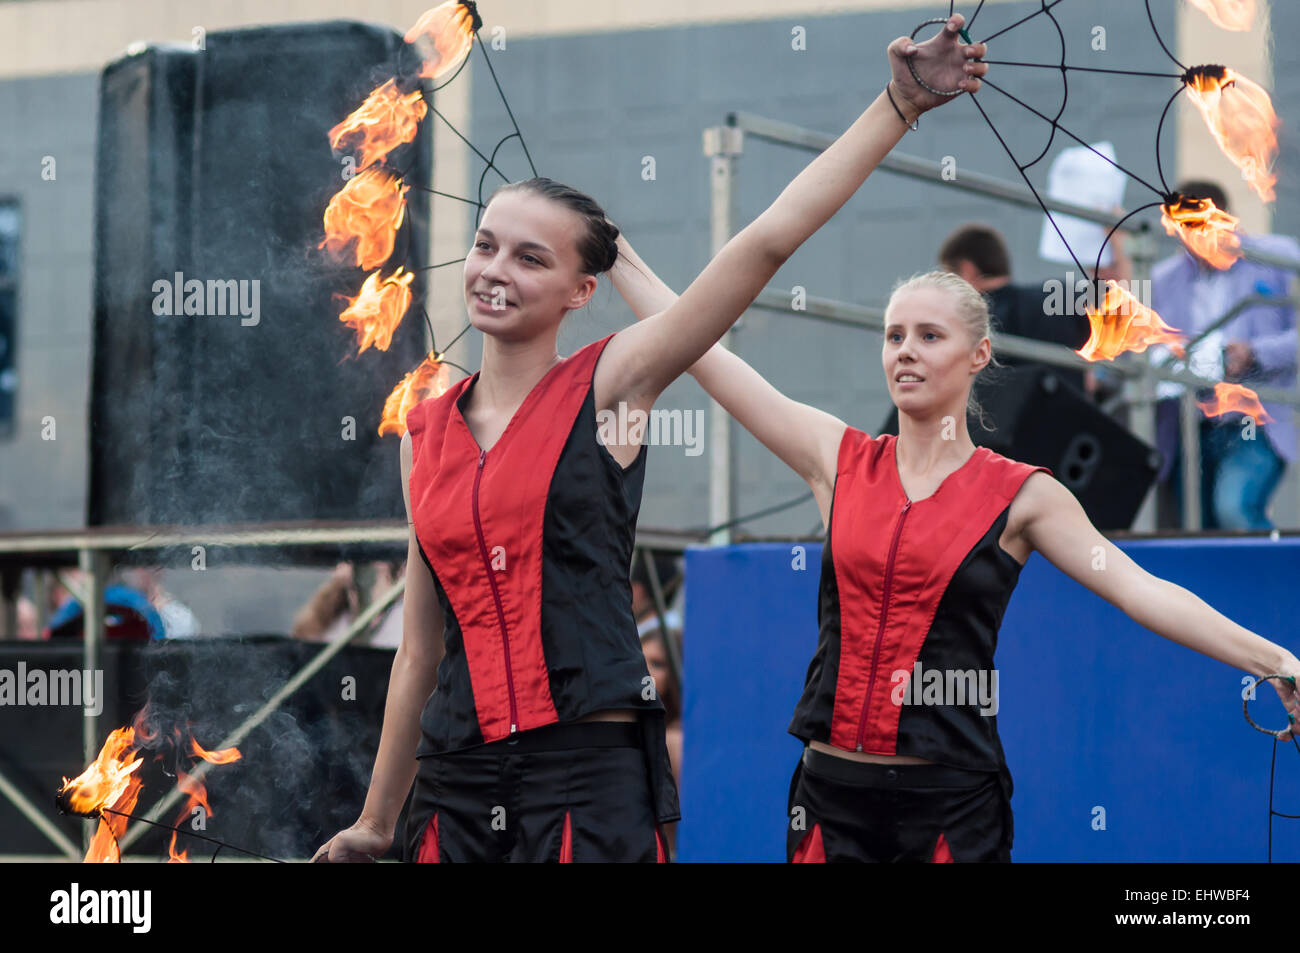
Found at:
<point>1233,397</point>
<point>174,858</point>
<point>386,120</point>
<point>109,783</point>
<point>1229,14</point>
<point>106,780</point>
<point>443,36</point>
<point>110,787</point>
<point>224,756</point>
<point>430,379</point>
<point>1123,323</point>
<point>1241,118</point>
<point>361,221</point>
<point>375,313</point>
<point>1204,228</point>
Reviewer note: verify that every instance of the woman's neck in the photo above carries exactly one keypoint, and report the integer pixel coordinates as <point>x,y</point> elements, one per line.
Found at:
<point>511,369</point>
<point>933,443</point>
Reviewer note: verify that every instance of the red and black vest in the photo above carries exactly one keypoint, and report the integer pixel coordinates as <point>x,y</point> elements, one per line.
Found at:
<point>903,583</point>
<point>530,548</point>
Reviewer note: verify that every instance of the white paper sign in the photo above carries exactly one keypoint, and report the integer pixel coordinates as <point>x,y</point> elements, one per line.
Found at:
<point>1080,176</point>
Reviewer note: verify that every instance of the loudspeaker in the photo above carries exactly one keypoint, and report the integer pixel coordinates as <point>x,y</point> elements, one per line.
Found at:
<point>214,164</point>
<point>1041,420</point>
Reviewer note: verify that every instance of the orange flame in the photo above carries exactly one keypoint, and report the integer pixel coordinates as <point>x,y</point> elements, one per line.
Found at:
<point>1123,323</point>
<point>1229,14</point>
<point>386,120</point>
<point>375,313</point>
<point>224,756</point>
<point>430,379</point>
<point>106,780</point>
<point>174,858</point>
<point>443,36</point>
<point>361,221</point>
<point>110,787</point>
<point>1233,397</point>
<point>110,783</point>
<point>103,846</point>
<point>1204,228</point>
<point>1240,115</point>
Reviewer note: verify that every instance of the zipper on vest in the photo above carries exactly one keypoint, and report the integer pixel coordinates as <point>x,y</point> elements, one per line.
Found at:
<point>496,595</point>
<point>884,615</point>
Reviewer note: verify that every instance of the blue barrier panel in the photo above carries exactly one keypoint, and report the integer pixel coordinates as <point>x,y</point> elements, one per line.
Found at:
<point>1123,746</point>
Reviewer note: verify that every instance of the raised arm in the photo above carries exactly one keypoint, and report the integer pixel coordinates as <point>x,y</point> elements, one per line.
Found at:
<point>1055,524</point>
<point>805,438</point>
<point>642,360</point>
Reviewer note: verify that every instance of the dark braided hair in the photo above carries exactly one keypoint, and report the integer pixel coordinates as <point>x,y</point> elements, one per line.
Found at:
<point>598,248</point>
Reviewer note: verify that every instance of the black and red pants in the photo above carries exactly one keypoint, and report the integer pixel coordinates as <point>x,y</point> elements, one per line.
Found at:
<point>842,810</point>
<point>568,793</point>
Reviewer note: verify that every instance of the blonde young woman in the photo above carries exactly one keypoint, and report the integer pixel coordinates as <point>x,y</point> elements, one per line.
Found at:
<point>520,704</point>
<point>926,537</point>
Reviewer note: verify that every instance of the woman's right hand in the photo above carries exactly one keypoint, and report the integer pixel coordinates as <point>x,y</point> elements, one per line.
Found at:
<point>943,61</point>
<point>360,844</point>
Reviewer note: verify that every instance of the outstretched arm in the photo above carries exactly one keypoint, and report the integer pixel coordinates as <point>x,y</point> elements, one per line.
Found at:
<point>642,360</point>
<point>805,438</point>
<point>1055,524</point>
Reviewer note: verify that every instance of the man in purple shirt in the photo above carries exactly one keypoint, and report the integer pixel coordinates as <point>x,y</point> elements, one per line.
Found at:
<point>1240,468</point>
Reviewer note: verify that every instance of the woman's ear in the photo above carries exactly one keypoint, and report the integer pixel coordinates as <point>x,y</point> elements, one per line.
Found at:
<point>582,294</point>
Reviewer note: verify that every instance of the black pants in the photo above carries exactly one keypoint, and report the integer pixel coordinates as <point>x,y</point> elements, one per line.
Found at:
<point>564,793</point>
<point>842,810</point>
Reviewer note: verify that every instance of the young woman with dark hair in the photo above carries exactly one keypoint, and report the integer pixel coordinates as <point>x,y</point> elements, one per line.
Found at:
<point>520,704</point>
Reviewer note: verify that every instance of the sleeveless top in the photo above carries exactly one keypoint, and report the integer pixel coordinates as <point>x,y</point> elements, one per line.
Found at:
<point>530,547</point>
<point>911,597</point>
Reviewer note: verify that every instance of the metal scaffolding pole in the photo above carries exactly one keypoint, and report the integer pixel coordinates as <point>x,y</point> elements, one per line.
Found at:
<point>1142,403</point>
<point>723,145</point>
<point>39,820</point>
<point>94,562</point>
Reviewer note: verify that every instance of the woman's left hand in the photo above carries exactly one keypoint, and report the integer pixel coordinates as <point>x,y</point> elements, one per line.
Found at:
<point>1290,697</point>
<point>943,61</point>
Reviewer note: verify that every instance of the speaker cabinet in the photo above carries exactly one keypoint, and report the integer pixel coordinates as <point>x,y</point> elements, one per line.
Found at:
<point>214,165</point>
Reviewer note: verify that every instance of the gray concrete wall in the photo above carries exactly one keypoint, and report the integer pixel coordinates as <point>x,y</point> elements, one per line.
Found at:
<point>43,482</point>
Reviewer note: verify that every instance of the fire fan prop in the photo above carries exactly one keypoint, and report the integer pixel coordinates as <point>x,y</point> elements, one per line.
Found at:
<point>1239,115</point>
<point>110,787</point>
<point>363,219</point>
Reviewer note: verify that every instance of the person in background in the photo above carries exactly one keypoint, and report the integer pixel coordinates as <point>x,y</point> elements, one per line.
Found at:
<point>643,604</point>
<point>669,689</point>
<point>28,630</point>
<point>128,615</point>
<point>333,607</point>
<point>670,693</point>
<point>1240,466</point>
<point>178,621</point>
